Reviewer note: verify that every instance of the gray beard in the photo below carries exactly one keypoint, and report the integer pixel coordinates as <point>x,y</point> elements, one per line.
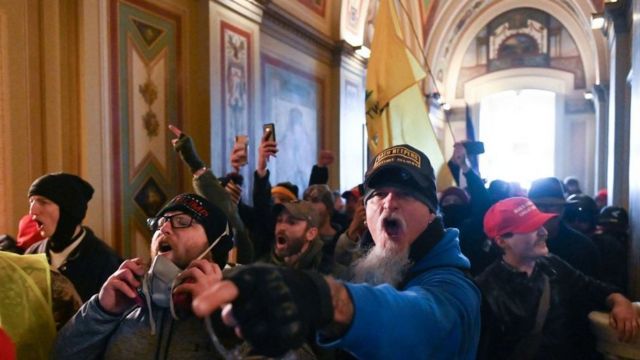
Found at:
<point>381,266</point>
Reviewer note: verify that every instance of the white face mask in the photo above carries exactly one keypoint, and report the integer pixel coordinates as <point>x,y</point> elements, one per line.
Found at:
<point>158,283</point>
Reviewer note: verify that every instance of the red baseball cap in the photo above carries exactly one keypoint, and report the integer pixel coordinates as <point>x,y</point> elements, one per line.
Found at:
<point>514,215</point>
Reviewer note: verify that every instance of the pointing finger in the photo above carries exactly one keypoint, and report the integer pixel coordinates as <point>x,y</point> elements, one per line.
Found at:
<point>221,293</point>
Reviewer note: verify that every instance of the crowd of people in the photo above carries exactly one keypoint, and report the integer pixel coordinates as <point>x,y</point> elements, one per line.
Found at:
<point>388,269</point>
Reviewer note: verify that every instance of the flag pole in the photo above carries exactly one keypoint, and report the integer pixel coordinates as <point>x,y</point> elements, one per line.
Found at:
<point>426,63</point>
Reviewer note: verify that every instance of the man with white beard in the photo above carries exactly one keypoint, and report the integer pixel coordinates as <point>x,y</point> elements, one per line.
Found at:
<point>415,302</point>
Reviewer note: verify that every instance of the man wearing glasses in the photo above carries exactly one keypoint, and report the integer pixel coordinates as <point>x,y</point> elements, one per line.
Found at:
<point>142,312</point>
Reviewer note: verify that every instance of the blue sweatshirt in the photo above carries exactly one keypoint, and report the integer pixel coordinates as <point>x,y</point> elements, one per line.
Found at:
<point>436,315</point>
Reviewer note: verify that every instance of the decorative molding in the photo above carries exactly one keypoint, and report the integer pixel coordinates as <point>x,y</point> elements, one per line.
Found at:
<point>560,82</point>
<point>280,25</point>
<point>137,156</point>
<point>250,9</point>
<point>348,58</point>
<point>236,50</point>
<point>447,64</point>
<point>5,138</point>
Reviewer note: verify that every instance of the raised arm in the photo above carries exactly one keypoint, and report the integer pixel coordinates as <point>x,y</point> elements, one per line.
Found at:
<point>320,171</point>
<point>207,185</point>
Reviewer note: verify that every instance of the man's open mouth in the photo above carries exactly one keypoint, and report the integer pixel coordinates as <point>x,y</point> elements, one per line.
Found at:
<point>392,226</point>
<point>281,240</point>
<point>164,247</point>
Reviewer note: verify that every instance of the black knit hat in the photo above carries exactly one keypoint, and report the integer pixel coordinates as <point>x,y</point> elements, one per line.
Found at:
<point>405,167</point>
<point>213,220</point>
<point>70,192</point>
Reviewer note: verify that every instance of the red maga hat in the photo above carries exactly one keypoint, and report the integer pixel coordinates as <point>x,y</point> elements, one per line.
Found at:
<point>514,215</point>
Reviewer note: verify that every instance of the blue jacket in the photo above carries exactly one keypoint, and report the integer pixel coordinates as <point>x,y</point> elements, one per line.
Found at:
<point>436,315</point>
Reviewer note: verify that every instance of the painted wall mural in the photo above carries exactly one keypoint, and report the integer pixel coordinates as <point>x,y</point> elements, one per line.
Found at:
<point>523,37</point>
<point>237,80</point>
<point>353,20</point>
<point>294,101</point>
<point>317,6</point>
<point>145,72</point>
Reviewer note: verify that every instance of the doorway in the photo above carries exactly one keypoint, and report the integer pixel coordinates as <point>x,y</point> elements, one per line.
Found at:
<point>518,129</point>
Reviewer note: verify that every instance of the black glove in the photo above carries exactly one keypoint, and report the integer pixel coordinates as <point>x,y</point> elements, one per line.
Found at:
<point>278,309</point>
<point>187,150</point>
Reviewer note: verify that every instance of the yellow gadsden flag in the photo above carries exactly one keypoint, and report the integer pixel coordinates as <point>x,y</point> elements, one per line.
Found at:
<point>396,112</point>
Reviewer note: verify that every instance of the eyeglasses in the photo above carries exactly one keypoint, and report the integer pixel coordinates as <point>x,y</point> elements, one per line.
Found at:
<point>178,221</point>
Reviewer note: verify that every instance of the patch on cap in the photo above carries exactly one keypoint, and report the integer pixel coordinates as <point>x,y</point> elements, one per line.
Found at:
<point>524,209</point>
<point>397,154</point>
<point>193,203</point>
<point>513,215</point>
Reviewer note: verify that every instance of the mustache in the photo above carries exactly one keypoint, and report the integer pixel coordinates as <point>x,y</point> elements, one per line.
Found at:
<point>394,219</point>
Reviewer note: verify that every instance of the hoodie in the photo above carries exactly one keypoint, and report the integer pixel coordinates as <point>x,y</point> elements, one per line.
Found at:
<point>435,315</point>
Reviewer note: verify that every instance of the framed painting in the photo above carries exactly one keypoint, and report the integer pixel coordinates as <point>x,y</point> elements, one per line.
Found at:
<point>317,6</point>
<point>237,106</point>
<point>293,101</point>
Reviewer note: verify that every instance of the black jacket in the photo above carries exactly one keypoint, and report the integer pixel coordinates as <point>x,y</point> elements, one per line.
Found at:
<point>89,264</point>
<point>576,249</point>
<point>511,303</point>
<point>473,241</point>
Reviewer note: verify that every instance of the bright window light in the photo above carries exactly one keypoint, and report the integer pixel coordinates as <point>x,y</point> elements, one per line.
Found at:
<point>597,21</point>
<point>518,130</point>
<point>363,51</point>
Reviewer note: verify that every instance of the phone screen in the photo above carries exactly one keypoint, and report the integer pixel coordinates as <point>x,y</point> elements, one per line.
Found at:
<point>270,127</point>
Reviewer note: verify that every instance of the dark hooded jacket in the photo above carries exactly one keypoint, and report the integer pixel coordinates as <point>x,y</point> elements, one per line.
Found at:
<point>88,266</point>
<point>511,304</point>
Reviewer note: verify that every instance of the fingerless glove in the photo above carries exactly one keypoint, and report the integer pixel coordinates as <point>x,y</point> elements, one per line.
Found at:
<point>187,150</point>
<point>278,309</point>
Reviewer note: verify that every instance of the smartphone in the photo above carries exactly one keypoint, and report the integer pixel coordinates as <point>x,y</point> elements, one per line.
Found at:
<point>244,140</point>
<point>272,131</point>
<point>474,147</point>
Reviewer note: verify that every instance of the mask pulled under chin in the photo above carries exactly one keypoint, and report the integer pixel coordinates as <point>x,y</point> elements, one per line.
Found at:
<point>157,286</point>
<point>159,282</point>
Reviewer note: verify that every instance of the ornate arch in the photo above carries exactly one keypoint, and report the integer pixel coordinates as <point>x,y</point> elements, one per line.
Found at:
<point>447,46</point>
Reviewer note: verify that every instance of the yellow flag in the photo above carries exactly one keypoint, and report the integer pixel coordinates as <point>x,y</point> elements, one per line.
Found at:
<point>396,112</point>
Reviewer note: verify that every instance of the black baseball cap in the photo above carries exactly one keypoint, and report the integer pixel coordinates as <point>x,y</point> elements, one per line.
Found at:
<point>404,167</point>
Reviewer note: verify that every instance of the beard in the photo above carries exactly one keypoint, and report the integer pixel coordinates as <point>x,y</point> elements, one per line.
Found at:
<point>293,247</point>
<point>381,266</point>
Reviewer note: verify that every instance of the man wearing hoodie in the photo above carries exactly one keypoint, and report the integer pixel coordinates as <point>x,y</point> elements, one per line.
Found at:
<point>409,297</point>
<point>58,204</point>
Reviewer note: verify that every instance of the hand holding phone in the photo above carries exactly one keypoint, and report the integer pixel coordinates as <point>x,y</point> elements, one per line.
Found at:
<point>474,147</point>
<point>269,132</point>
<point>239,155</point>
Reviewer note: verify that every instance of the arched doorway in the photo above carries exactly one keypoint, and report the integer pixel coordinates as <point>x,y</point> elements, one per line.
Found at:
<point>518,129</point>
